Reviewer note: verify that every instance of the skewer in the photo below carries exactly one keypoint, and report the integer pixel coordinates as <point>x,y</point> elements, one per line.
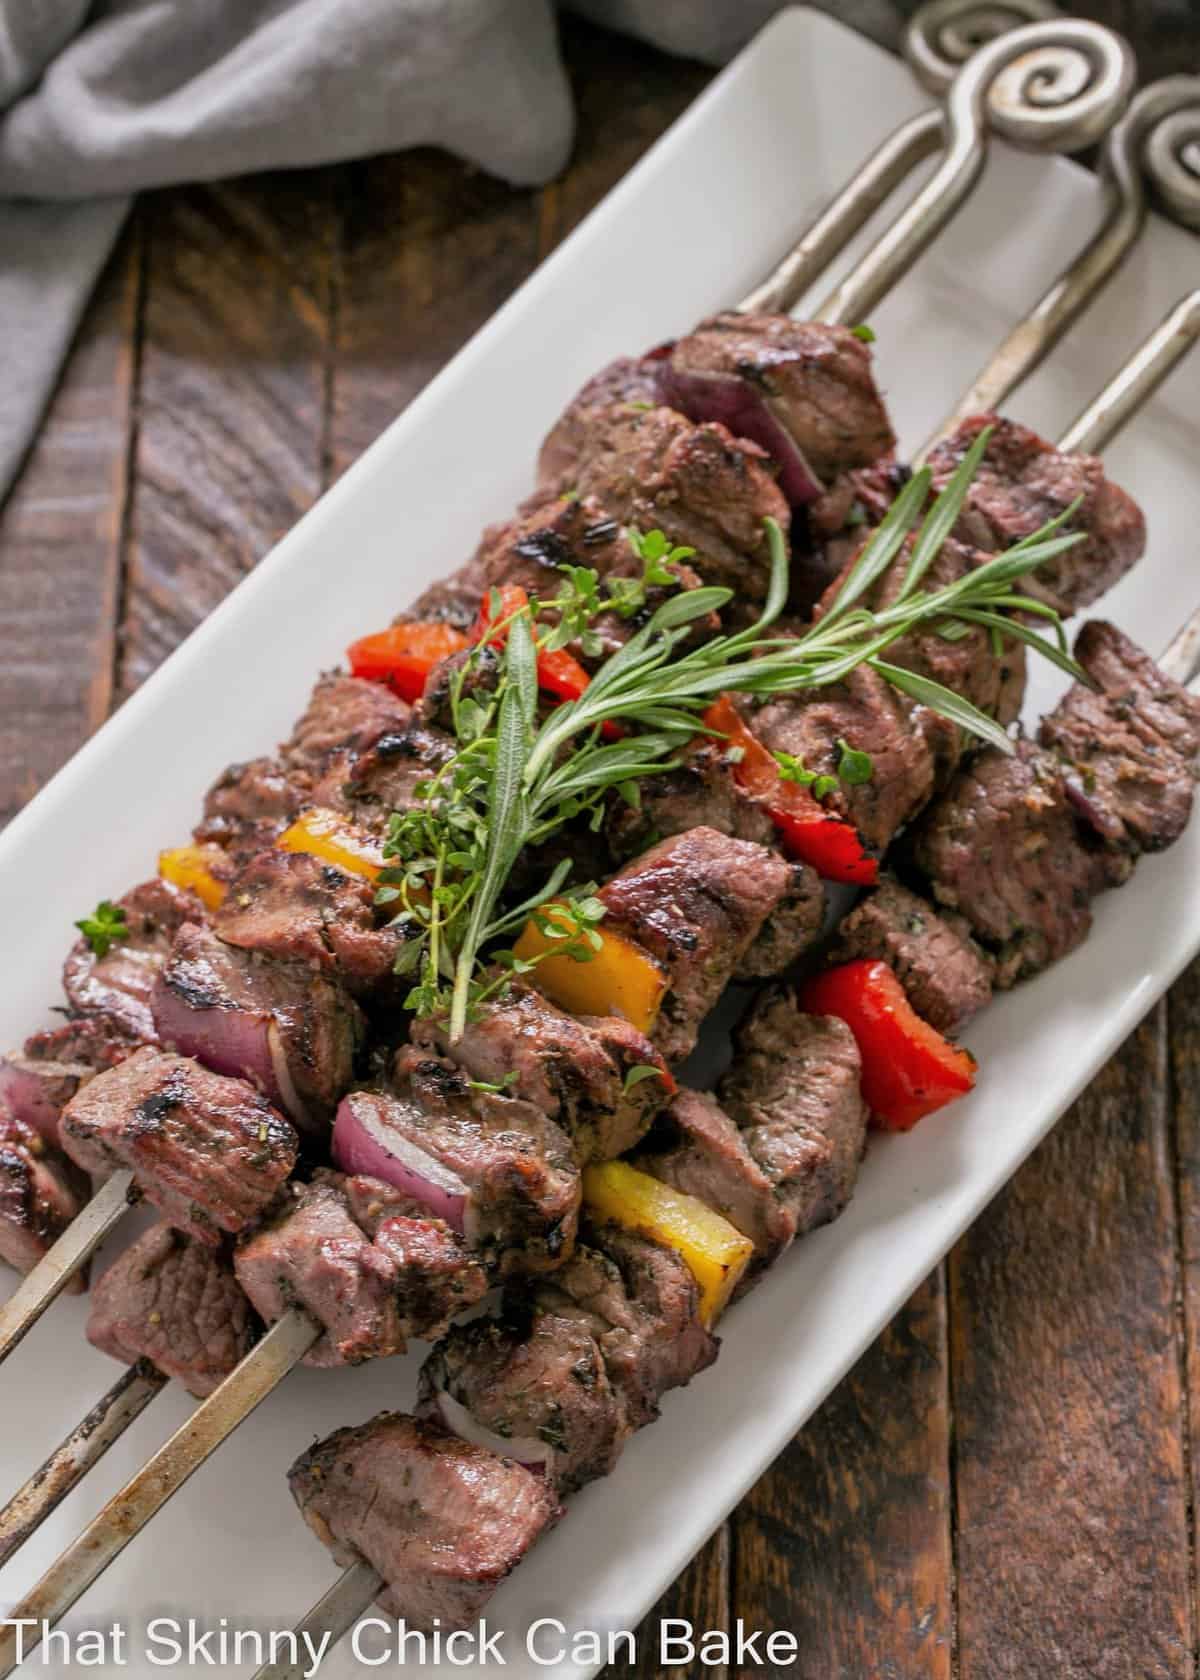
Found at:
<point>290,1338</point>
<point>1103,61</point>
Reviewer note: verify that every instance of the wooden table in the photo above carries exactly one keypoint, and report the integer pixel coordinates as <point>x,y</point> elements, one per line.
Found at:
<point>1005,1484</point>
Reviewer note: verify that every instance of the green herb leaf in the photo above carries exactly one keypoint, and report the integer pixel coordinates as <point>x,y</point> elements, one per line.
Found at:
<point>864,332</point>
<point>638,1074</point>
<point>104,928</point>
<point>854,767</point>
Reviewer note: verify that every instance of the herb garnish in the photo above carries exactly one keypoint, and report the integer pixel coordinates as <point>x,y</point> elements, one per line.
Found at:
<point>518,777</point>
<point>863,332</point>
<point>104,927</point>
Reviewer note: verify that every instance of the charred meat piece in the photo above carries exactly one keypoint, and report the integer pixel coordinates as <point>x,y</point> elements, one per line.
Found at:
<point>536,1382</point>
<point>453,600</point>
<point>1005,849</point>
<point>442,1521</point>
<point>494,1166</point>
<point>871,715</point>
<point>176,1303</point>
<point>250,804</point>
<point>629,382</point>
<point>1022,482</point>
<point>119,984</point>
<point>344,714</point>
<point>369,1264</point>
<point>572,1068</point>
<point>944,973</point>
<point>40,1194</point>
<point>368,786</point>
<point>700,485</point>
<point>695,1146</point>
<point>1129,750</point>
<point>801,390</point>
<point>209,1152</point>
<point>551,530</point>
<point>700,792</point>
<point>300,909</point>
<point>793,1090</point>
<point>789,929</point>
<point>290,1031</point>
<point>38,1081</point>
<point>696,902</point>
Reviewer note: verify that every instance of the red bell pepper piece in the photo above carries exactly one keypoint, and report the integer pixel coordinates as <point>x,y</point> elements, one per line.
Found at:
<point>559,673</point>
<point>816,836</point>
<point>908,1068</point>
<point>403,655</point>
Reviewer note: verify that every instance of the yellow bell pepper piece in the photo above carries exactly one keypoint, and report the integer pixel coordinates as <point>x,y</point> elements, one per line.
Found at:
<point>715,1252</point>
<point>620,979</point>
<point>191,867</point>
<point>332,838</point>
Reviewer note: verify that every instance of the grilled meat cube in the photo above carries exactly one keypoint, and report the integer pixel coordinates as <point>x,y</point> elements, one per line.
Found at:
<point>945,975</point>
<point>250,804</point>
<point>1129,749</point>
<point>572,1068</point>
<point>442,1521</point>
<point>291,1032</point>
<point>1022,482</point>
<point>209,1152</point>
<point>512,1176</point>
<point>629,382</point>
<point>370,1265</point>
<point>40,1194</point>
<point>855,499</point>
<point>344,714</point>
<point>1004,848</point>
<point>700,792</point>
<point>551,530</point>
<point>177,1303</point>
<point>38,1081</point>
<point>789,929</point>
<point>870,714</point>
<point>119,984</point>
<point>695,1146</point>
<point>301,909</point>
<point>642,1305</point>
<point>793,1090</point>
<point>700,485</point>
<point>369,785</point>
<point>696,902</point>
<point>764,375</point>
<point>453,600</point>
<point>537,1380</point>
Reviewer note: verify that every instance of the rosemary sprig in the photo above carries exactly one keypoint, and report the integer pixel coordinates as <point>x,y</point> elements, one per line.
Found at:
<point>516,780</point>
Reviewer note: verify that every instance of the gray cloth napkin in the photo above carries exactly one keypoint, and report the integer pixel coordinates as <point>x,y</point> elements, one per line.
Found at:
<point>100,99</point>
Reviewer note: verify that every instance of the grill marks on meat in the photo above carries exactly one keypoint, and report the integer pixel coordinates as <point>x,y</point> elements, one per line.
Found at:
<point>176,1303</point>
<point>370,1265</point>
<point>813,380</point>
<point>38,1081</point>
<point>573,1069</point>
<point>40,1194</point>
<point>574,1371</point>
<point>290,1031</point>
<point>1021,846</point>
<point>119,985</point>
<point>695,1146</point>
<point>344,714</point>
<point>209,1152</point>
<point>696,902</point>
<point>1022,482</point>
<point>1129,749</point>
<point>250,804</point>
<point>945,975</point>
<point>698,484</point>
<point>442,1521</point>
<point>300,909</point>
<point>368,786</point>
<point>793,1090</point>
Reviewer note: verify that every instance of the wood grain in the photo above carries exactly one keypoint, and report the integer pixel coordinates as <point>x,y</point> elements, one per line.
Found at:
<point>232,397</point>
<point>60,549</point>
<point>846,1540</point>
<point>1073,1545</point>
<point>1183,1016</point>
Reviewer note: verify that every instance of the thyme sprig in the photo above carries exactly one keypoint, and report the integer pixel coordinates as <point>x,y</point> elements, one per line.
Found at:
<point>518,777</point>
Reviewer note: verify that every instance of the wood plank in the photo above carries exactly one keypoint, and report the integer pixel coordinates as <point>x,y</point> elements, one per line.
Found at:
<point>233,395</point>
<point>1073,1544</point>
<point>846,1541</point>
<point>60,540</point>
<point>1183,1015</point>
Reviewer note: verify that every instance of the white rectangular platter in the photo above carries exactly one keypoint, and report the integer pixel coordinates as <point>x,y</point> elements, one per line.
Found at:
<point>690,229</point>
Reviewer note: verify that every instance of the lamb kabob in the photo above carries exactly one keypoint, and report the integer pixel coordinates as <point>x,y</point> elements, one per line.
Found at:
<point>1026,837</point>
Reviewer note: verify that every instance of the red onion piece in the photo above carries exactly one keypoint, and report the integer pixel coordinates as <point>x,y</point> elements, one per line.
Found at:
<point>747,411</point>
<point>37,1092</point>
<point>527,1450</point>
<point>231,1041</point>
<point>363,1142</point>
